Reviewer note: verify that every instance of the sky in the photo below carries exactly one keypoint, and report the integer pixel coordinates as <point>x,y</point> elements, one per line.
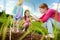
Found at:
<point>32,5</point>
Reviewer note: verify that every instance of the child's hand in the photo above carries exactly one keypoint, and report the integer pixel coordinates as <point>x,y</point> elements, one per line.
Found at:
<point>34,17</point>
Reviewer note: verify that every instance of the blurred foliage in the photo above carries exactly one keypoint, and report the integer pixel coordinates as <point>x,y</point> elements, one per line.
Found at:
<point>4,21</point>
<point>7,21</point>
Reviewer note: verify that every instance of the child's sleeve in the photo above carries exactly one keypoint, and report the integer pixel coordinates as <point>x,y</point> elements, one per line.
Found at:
<point>42,16</point>
<point>47,15</point>
<point>14,10</point>
<point>23,20</point>
<point>21,11</point>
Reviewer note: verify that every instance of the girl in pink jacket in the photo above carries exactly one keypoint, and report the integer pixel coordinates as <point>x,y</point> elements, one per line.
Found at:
<point>49,17</point>
<point>26,20</point>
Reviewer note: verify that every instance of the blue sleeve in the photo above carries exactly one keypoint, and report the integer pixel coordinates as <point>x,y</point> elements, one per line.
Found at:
<point>21,11</point>
<point>15,10</point>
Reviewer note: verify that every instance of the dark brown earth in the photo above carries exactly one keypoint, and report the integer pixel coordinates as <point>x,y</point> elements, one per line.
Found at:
<point>16,36</point>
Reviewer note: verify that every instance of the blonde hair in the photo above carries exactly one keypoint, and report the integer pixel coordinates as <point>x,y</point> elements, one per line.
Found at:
<point>20,1</point>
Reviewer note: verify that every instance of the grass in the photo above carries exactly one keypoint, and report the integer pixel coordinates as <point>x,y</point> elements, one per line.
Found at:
<point>35,27</point>
<point>5,28</point>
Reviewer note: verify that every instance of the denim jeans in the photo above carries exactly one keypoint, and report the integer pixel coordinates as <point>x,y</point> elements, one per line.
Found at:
<point>49,24</point>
